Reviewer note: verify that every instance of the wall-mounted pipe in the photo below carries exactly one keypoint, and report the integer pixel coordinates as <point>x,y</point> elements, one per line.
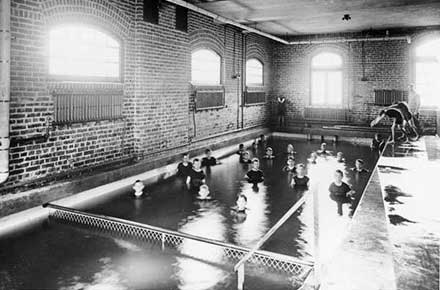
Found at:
<point>5,53</point>
<point>225,20</point>
<point>341,40</point>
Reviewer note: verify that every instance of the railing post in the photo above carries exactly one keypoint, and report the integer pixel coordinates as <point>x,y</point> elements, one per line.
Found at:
<point>162,235</point>
<point>240,277</point>
<point>317,265</point>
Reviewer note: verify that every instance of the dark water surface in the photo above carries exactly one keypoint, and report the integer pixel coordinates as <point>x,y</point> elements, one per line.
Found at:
<point>63,257</point>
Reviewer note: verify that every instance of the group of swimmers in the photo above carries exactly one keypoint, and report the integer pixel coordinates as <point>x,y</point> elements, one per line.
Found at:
<point>195,178</point>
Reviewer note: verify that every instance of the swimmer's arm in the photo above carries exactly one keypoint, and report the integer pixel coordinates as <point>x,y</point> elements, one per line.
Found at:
<point>188,179</point>
<point>376,120</point>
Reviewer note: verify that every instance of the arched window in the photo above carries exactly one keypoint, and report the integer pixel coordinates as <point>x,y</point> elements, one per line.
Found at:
<point>254,72</point>
<point>205,67</point>
<point>427,76</point>
<point>326,79</point>
<point>81,51</point>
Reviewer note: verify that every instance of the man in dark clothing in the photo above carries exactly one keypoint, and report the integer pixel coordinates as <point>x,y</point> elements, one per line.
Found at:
<point>401,117</point>
<point>255,175</point>
<point>281,111</point>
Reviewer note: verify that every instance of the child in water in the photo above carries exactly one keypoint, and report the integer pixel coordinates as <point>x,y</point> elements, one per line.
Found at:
<point>313,157</point>
<point>255,175</point>
<point>290,150</point>
<point>208,160</point>
<point>269,153</point>
<point>359,167</point>
<point>340,192</point>
<point>323,149</point>
<point>340,157</point>
<point>245,158</point>
<point>240,204</point>
<point>240,150</point>
<point>184,168</point>
<point>203,193</point>
<point>138,187</point>
<point>196,177</point>
<point>300,179</point>
<point>290,166</point>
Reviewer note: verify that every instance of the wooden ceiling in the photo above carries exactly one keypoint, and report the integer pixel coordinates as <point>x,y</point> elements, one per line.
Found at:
<point>303,17</point>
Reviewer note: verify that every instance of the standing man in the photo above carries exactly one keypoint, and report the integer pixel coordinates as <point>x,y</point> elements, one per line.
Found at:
<point>281,111</point>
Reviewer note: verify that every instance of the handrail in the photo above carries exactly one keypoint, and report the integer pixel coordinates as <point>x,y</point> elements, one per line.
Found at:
<point>272,230</point>
<point>181,235</point>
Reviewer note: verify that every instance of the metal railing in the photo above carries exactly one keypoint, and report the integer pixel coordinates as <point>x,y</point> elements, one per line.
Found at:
<point>169,238</point>
<point>239,267</point>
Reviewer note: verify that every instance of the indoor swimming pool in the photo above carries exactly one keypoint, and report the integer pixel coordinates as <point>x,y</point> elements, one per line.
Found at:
<point>59,256</point>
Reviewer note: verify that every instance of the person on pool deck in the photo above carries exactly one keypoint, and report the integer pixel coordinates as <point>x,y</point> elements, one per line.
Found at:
<point>340,157</point>
<point>240,204</point>
<point>413,101</point>
<point>290,151</point>
<point>240,149</point>
<point>138,187</point>
<point>203,193</point>
<point>208,160</point>
<point>300,179</point>
<point>281,111</point>
<point>269,153</point>
<point>313,158</point>
<point>377,143</point>
<point>401,116</point>
<point>196,177</point>
<point>184,168</point>
<point>340,192</point>
<point>245,158</point>
<point>255,146</point>
<point>255,175</point>
<point>290,166</point>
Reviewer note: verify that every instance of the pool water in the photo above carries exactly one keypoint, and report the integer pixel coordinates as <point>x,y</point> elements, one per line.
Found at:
<point>63,257</point>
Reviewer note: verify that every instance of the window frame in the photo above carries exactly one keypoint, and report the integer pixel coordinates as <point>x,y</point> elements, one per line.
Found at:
<point>340,68</point>
<point>201,84</point>
<point>255,85</point>
<point>88,79</point>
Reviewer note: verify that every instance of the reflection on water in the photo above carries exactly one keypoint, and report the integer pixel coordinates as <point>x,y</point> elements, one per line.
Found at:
<point>250,227</point>
<point>193,274</point>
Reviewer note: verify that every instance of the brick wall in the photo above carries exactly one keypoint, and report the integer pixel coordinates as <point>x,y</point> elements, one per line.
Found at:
<point>156,86</point>
<point>367,66</point>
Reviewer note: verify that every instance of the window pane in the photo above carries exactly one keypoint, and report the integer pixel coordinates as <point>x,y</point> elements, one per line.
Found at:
<point>428,83</point>
<point>430,48</point>
<point>254,72</point>
<point>326,60</point>
<point>81,51</point>
<point>205,67</point>
<point>334,88</point>
<point>319,80</point>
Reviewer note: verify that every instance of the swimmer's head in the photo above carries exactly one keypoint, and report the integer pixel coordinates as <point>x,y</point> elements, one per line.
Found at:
<point>203,191</point>
<point>138,186</point>
<point>301,169</point>
<point>377,136</point>
<point>290,148</point>
<point>323,146</point>
<point>241,146</point>
<point>313,156</point>
<point>269,151</point>
<point>196,163</point>
<point>241,202</point>
<point>255,163</point>
<point>339,156</point>
<point>359,164</point>
<point>208,152</point>
<point>185,157</point>
<point>291,161</point>
<point>338,175</point>
<point>246,155</point>
<point>262,137</point>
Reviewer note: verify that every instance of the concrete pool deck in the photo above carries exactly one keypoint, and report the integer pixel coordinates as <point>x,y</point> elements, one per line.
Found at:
<point>393,240</point>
